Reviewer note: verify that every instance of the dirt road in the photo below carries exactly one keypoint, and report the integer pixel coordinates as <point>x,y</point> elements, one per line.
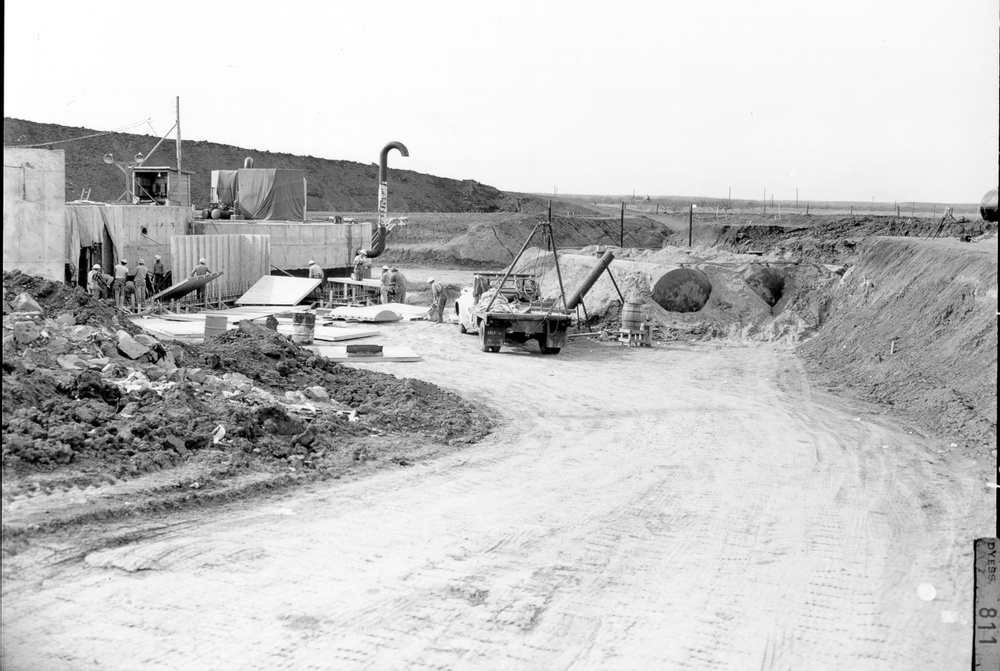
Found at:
<point>689,506</point>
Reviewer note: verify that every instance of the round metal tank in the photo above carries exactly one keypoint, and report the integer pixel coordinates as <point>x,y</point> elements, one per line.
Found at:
<point>988,208</point>
<point>682,290</point>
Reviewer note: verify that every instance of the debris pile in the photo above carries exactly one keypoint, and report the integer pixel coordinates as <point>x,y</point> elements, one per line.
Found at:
<point>83,385</point>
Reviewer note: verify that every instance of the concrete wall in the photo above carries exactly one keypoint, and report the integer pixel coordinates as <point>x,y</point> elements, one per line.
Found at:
<point>126,223</point>
<point>34,220</point>
<point>292,244</point>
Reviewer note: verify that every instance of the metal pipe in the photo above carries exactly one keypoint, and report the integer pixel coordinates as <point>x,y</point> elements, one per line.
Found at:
<point>155,147</point>
<point>247,163</point>
<point>380,233</point>
<point>602,264</point>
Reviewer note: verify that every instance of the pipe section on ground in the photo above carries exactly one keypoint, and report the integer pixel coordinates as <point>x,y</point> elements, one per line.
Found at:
<point>768,283</point>
<point>988,208</point>
<point>595,274</point>
<point>682,290</point>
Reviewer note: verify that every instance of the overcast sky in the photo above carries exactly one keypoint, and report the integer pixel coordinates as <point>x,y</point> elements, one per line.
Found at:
<point>846,100</point>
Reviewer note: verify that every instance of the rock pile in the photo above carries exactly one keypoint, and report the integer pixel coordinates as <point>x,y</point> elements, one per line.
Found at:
<point>82,386</point>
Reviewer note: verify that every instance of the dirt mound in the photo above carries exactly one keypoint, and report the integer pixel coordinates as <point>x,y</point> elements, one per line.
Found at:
<point>737,307</point>
<point>98,396</point>
<point>913,326</point>
<point>833,239</point>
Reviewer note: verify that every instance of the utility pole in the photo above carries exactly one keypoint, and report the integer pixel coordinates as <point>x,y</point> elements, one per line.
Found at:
<point>690,223</point>
<point>730,206</point>
<point>765,201</point>
<point>178,137</point>
<point>621,237</point>
<point>796,197</point>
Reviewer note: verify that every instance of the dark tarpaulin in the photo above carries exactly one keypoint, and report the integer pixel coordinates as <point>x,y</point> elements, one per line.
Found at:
<point>225,187</point>
<point>267,193</point>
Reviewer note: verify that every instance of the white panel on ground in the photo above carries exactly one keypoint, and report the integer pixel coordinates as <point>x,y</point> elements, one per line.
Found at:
<point>388,354</point>
<point>273,290</point>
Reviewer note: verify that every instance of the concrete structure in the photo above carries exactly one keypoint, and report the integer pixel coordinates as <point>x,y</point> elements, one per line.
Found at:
<point>293,244</point>
<point>106,233</point>
<point>34,219</point>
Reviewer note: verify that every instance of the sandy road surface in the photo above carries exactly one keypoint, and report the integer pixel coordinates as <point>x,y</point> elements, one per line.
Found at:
<point>682,507</point>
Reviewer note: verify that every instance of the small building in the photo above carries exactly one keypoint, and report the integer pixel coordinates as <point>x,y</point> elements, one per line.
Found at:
<point>161,186</point>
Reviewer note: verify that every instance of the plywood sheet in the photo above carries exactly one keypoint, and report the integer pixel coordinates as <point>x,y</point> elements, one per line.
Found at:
<point>181,330</point>
<point>235,315</point>
<point>395,354</point>
<point>273,290</point>
<point>332,333</point>
<point>185,287</point>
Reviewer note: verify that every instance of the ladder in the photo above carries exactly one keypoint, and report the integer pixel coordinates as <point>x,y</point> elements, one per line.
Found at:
<point>85,194</point>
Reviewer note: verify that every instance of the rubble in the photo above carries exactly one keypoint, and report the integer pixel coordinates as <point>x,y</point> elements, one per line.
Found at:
<point>83,387</point>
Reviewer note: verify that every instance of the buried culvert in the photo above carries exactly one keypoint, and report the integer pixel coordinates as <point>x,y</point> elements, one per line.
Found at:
<point>682,290</point>
<point>768,283</point>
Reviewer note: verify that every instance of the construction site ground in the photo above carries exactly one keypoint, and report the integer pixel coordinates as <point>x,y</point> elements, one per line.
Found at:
<point>720,501</point>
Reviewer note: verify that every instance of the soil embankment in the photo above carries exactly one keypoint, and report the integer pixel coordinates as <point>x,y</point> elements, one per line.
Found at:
<point>912,325</point>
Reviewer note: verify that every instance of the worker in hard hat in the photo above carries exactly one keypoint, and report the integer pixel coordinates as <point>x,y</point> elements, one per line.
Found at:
<point>398,286</point>
<point>141,273</point>
<point>201,270</point>
<point>159,274</point>
<point>118,285</point>
<point>316,273</point>
<point>386,287</point>
<point>361,265</point>
<point>95,281</point>
<point>438,299</point>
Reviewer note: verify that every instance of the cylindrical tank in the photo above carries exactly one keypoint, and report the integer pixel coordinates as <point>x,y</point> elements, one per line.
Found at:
<point>214,326</point>
<point>216,213</point>
<point>682,290</point>
<point>206,213</point>
<point>988,208</point>
<point>303,327</point>
<point>632,315</point>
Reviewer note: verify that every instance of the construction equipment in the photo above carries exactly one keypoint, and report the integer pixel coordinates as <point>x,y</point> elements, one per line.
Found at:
<point>506,307</point>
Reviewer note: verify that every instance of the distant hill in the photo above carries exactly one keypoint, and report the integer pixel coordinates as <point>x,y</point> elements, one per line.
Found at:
<point>337,186</point>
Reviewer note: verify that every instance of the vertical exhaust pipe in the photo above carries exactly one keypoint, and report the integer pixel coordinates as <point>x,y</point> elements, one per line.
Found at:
<point>379,235</point>
<point>248,163</point>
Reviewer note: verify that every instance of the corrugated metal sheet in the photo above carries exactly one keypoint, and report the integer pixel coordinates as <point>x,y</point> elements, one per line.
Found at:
<point>243,259</point>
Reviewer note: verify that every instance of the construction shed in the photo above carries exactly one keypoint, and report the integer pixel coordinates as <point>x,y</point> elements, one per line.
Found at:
<point>161,186</point>
<point>34,212</point>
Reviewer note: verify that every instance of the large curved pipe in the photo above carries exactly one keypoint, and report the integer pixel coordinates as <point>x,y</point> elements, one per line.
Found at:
<point>988,209</point>
<point>383,158</point>
<point>248,163</point>
<point>578,295</point>
<point>380,232</point>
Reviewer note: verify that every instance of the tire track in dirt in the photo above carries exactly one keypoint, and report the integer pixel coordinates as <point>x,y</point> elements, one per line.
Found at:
<point>685,507</point>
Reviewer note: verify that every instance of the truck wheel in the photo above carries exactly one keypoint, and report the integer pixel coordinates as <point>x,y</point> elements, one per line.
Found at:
<point>495,348</point>
<point>550,350</point>
<point>461,328</point>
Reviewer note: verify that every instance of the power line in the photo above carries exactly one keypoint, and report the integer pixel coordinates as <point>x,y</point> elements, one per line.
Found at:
<point>84,137</point>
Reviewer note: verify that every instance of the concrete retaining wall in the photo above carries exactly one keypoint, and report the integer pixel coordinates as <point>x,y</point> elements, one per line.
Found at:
<point>293,244</point>
<point>34,218</point>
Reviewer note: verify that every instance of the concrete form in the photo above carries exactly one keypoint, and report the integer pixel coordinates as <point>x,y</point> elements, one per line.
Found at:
<point>294,244</point>
<point>34,219</point>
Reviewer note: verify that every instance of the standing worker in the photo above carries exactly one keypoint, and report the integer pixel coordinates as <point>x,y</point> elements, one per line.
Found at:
<point>141,271</point>
<point>438,299</point>
<point>95,281</point>
<point>118,285</point>
<point>159,272</point>
<point>201,270</point>
<point>316,273</point>
<point>361,265</point>
<point>386,285</point>
<point>398,283</point>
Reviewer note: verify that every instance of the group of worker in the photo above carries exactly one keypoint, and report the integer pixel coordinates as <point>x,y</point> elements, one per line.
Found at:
<point>127,286</point>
